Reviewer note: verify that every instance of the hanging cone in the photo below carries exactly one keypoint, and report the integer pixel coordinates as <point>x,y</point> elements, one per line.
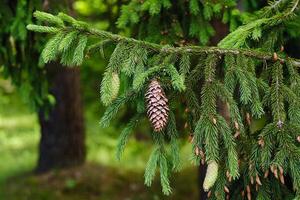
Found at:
<point>157,105</point>
<point>211,175</point>
<point>115,85</point>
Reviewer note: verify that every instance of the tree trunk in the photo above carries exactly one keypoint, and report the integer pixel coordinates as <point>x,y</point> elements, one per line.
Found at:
<point>62,131</point>
<point>201,176</point>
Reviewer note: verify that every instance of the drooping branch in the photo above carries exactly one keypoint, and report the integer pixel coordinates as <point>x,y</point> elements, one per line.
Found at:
<point>193,50</point>
<point>83,28</point>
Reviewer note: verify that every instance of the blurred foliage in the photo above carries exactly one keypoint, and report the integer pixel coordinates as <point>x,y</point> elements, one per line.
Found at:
<point>18,135</point>
<point>19,54</point>
<point>101,13</point>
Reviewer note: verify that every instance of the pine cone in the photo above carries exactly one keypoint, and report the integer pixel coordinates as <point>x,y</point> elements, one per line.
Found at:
<point>115,85</point>
<point>157,105</point>
<point>211,175</point>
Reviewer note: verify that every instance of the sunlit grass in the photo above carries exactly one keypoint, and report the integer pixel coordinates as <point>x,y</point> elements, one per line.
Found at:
<point>19,135</point>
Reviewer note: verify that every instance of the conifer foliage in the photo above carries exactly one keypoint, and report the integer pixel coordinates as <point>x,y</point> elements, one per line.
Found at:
<point>17,53</point>
<point>243,72</point>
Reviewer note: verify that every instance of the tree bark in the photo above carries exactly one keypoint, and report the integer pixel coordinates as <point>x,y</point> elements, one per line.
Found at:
<point>201,177</point>
<point>62,131</point>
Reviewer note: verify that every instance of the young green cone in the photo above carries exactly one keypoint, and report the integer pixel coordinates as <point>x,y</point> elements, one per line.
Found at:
<point>211,175</point>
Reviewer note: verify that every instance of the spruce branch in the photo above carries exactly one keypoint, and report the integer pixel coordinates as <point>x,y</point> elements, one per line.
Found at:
<point>191,50</point>
<point>174,147</point>
<point>84,28</point>
<point>42,29</point>
<point>124,137</point>
<point>151,166</point>
<point>164,174</point>
<point>67,41</point>
<point>114,107</point>
<point>79,51</point>
<point>43,16</point>
<point>50,52</point>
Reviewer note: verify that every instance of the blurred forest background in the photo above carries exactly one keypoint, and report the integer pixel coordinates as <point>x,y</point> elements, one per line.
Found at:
<point>84,165</point>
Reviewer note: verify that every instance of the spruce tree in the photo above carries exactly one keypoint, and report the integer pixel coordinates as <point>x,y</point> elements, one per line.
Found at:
<point>254,152</point>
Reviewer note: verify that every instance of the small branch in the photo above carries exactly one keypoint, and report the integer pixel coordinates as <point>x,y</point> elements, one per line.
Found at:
<point>295,6</point>
<point>296,62</point>
<point>292,9</point>
<point>276,3</point>
<point>193,50</point>
<point>84,28</point>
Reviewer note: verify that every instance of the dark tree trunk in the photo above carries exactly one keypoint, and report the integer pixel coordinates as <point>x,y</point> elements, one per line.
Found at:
<point>62,131</point>
<point>201,175</point>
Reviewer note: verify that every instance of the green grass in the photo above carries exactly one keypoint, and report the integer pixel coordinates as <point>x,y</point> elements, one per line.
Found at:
<point>103,177</point>
<point>19,135</point>
<point>18,145</point>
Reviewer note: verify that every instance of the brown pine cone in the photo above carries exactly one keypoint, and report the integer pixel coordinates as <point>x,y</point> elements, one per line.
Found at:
<point>157,105</point>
